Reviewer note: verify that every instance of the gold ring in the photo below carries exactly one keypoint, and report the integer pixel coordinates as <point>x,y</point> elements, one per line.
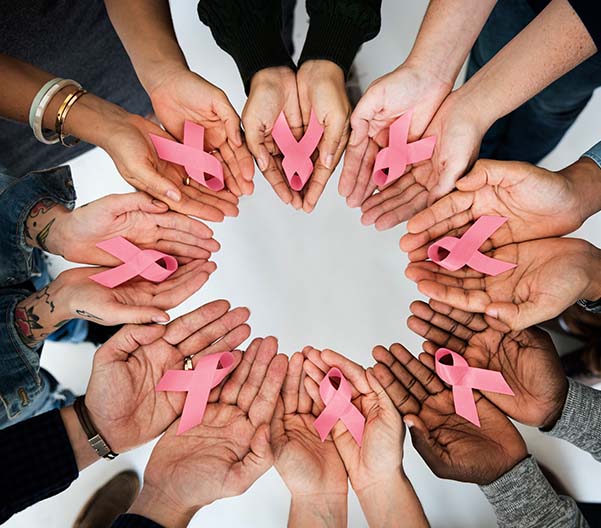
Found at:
<point>213,151</point>
<point>188,363</point>
<point>187,180</point>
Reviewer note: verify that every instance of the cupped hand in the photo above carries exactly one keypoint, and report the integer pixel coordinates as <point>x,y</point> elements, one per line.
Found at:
<point>322,90</point>
<point>452,447</point>
<point>121,397</point>
<point>296,443</point>
<point>182,95</point>
<point>537,203</point>
<point>406,88</point>
<point>230,450</point>
<point>524,358</point>
<point>144,221</point>
<point>272,91</point>
<point>550,275</point>
<point>131,149</point>
<point>136,301</point>
<point>378,461</point>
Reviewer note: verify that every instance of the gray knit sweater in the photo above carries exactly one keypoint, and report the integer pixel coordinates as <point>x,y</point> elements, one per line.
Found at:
<point>523,498</point>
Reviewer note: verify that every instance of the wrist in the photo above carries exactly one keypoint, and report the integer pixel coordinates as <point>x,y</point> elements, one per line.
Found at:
<point>439,73</point>
<point>153,504</point>
<point>593,292</point>
<point>381,509</point>
<point>41,226</point>
<point>84,453</point>
<point>319,510</point>
<point>479,107</point>
<point>275,75</point>
<point>584,179</point>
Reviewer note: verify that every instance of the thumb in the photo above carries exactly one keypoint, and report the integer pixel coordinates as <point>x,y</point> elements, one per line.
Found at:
<point>516,316</point>
<point>484,172</point>
<point>126,314</point>
<point>136,201</point>
<point>383,399</point>
<point>258,460</point>
<point>127,340</point>
<point>151,181</point>
<point>425,445</point>
<point>332,136</point>
<point>231,121</point>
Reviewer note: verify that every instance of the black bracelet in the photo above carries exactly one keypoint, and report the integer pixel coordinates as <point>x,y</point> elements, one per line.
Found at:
<point>95,440</point>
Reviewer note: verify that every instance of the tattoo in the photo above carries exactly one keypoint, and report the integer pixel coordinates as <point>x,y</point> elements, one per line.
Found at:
<point>42,207</point>
<point>43,235</point>
<point>88,315</point>
<point>45,296</point>
<point>61,323</point>
<point>26,322</point>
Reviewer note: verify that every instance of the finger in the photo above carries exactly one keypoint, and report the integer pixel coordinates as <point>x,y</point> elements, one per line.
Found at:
<point>240,163</point>
<point>290,389</point>
<point>398,209</point>
<point>427,360</point>
<point>127,341</point>
<point>275,176</point>
<point>187,324</point>
<point>267,351</point>
<point>401,398</point>
<point>424,312</point>
<point>364,176</point>
<point>313,371</point>
<point>137,201</point>
<point>149,180</point>
<point>444,210</point>
<point>426,445</point>
<point>436,335</point>
<point>180,250</point>
<point>312,388</point>
<point>228,176</point>
<point>354,372</point>
<point>305,403</point>
<point>488,172</point>
<point>263,405</point>
<point>384,400</point>
<point>215,393</point>
<point>519,316</point>
<point>231,340</point>
<point>193,282</point>
<point>425,379</point>
<point>127,314</point>
<point>314,356</point>
<point>353,157</point>
<point>459,297</point>
<point>231,389</point>
<point>231,120</point>
<point>475,322</point>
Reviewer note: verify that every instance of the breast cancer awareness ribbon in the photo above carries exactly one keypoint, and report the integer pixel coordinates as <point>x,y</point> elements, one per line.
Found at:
<point>201,166</point>
<point>453,253</point>
<point>297,163</point>
<point>338,407</point>
<point>464,378</point>
<point>391,162</point>
<point>150,264</point>
<point>210,371</point>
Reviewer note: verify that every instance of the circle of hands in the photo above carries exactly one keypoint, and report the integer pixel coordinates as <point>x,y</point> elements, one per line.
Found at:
<point>262,414</point>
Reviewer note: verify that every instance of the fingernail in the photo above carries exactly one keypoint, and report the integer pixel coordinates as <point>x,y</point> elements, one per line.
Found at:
<point>263,163</point>
<point>409,423</point>
<point>158,203</point>
<point>492,312</point>
<point>329,161</point>
<point>160,319</point>
<point>238,138</point>
<point>173,195</point>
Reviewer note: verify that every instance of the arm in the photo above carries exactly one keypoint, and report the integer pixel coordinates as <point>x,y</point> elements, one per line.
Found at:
<point>580,421</point>
<point>42,456</point>
<point>554,43</point>
<point>318,512</point>
<point>523,498</point>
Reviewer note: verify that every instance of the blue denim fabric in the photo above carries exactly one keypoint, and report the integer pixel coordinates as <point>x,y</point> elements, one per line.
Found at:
<point>25,389</point>
<point>17,197</point>
<point>534,129</point>
<point>594,153</point>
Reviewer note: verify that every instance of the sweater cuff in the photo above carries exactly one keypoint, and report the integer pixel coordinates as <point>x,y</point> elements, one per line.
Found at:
<point>130,520</point>
<point>580,421</point>
<point>523,497</point>
<point>588,12</point>
<point>335,40</point>
<point>594,153</point>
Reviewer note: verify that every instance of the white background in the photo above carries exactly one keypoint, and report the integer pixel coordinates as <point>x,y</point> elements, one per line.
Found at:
<point>319,279</point>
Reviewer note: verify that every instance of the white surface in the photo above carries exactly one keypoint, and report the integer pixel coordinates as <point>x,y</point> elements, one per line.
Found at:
<point>321,279</point>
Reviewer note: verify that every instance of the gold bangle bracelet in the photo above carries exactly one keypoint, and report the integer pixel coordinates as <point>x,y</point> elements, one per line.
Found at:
<point>61,116</point>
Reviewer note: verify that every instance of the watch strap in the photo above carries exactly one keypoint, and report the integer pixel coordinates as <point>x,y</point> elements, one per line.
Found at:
<point>95,440</point>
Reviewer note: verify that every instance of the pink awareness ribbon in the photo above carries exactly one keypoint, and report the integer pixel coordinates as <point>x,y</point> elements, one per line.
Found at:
<point>464,378</point>
<point>338,407</point>
<point>201,166</point>
<point>297,162</point>
<point>136,261</point>
<point>464,251</point>
<point>210,371</point>
<point>399,153</point>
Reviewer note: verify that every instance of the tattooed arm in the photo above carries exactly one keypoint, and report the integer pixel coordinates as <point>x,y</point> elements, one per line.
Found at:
<point>40,226</point>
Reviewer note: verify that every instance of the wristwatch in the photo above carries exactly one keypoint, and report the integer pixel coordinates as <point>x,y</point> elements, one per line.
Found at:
<point>590,306</point>
<point>94,438</point>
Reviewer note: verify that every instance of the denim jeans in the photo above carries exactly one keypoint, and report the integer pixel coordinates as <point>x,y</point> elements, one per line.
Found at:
<point>25,389</point>
<point>534,129</point>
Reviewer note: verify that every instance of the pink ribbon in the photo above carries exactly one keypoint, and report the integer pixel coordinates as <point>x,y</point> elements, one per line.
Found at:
<point>297,162</point>
<point>200,165</point>
<point>338,407</point>
<point>136,261</point>
<point>464,378</point>
<point>464,251</point>
<point>198,384</point>
<point>399,153</point>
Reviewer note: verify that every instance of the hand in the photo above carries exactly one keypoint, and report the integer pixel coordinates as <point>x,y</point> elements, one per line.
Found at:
<point>181,95</point>
<point>322,483</point>
<point>387,98</point>
<point>129,145</point>
<point>524,358</point>
<point>121,396</point>
<point>272,90</point>
<point>224,455</point>
<point>136,301</point>
<point>144,221</point>
<point>321,89</point>
<point>551,275</point>
<point>452,447</point>
<point>538,204</point>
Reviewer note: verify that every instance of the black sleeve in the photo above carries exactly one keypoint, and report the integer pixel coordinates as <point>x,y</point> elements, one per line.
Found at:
<point>338,28</point>
<point>37,462</point>
<point>129,520</point>
<point>589,12</point>
<point>250,31</point>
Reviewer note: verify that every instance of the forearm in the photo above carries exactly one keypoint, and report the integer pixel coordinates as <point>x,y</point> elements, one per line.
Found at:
<point>82,450</point>
<point>146,31</point>
<point>554,43</point>
<point>394,504</point>
<point>41,226</point>
<point>156,506</point>
<point>40,314</point>
<point>318,511</point>
<point>446,36</point>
